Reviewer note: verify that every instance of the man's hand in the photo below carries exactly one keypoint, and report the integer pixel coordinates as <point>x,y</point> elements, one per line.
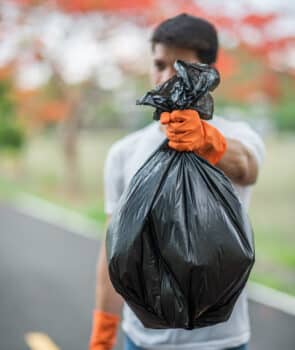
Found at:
<point>104,331</point>
<point>186,131</point>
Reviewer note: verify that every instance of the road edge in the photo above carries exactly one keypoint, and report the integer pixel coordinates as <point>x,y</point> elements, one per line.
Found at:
<point>51,213</point>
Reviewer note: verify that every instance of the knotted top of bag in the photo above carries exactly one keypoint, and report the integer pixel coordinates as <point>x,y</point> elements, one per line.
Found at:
<point>188,89</point>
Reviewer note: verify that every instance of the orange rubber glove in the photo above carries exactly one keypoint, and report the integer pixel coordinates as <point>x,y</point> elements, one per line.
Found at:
<point>104,330</point>
<point>186,131</point>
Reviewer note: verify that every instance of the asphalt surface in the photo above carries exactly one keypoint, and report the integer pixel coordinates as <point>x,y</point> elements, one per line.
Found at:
<point>47,279</point>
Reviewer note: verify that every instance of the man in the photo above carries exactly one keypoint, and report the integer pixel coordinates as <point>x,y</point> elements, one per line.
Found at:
<point>193,40</point>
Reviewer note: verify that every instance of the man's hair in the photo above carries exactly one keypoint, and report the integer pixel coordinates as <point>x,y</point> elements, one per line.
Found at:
<point>189,32</point>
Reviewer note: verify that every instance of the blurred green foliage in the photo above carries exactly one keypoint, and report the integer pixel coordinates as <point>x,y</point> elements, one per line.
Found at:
<point>12,135</point>
<point>283,112</point>
<point>284,115</point>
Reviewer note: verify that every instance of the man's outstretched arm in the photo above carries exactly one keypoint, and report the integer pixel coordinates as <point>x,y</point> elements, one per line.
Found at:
<point>108,306</point>
<point>238,163</point>
<point>187,132</point>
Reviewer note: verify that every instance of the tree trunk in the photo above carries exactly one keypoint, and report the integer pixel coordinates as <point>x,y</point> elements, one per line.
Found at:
<point>70,146</point>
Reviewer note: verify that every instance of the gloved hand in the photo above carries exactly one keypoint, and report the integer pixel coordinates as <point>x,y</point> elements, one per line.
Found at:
<point>104,330</point>
<point>186,131</point>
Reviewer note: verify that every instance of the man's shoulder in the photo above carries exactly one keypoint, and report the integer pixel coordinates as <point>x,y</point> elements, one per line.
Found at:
<point>223,122</point>
<point>231,127</point>
<point>244,133</point>
<point>128,143</point>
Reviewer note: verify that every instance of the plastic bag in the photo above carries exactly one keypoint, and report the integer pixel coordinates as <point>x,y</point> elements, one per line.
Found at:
<point>188,89</point>
<point>179,244</point>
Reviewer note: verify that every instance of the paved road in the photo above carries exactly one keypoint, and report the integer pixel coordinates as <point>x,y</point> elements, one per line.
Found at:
<point>47,285</point>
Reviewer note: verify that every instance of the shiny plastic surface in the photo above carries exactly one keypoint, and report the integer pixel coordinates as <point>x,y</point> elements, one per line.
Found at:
<point>188,89</point>
<point>179,245</point>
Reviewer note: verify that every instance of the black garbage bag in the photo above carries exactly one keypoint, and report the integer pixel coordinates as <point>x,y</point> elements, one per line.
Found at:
<point>188,89</point>
<point>179,244</point>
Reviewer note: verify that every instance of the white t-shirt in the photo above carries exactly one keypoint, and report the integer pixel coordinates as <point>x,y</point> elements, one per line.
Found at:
<point>124,159</point>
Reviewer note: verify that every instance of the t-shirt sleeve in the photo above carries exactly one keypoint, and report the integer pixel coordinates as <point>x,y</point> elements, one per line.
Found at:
<point>113,179</point>
<point>242,132</point>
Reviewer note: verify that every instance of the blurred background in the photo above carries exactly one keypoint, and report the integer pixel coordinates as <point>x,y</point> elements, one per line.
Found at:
<point>71,70</point>
<point>70,73</point>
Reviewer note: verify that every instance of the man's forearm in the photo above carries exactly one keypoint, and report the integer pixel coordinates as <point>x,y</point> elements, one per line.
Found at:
<point>238,163</point>
<point>107,299</point>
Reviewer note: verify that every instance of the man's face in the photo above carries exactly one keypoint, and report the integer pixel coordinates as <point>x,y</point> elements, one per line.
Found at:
<point>163,59</point>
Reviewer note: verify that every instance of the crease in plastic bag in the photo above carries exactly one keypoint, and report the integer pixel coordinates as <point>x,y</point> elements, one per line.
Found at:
<point>188,89</point>
<point>179,244</point>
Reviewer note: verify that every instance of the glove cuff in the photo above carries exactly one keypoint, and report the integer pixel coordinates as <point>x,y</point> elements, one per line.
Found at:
<point>214,146</point>
<point>104,330</point>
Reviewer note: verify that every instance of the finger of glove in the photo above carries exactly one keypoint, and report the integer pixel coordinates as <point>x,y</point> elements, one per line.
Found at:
<point>196,140</point>
<point>183,115</point>
<point>186,126</point>
<point>165,118</point>
<point>181,146</point>
<point>179,137</point>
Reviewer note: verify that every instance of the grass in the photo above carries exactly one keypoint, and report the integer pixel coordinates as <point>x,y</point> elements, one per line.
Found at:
<point>272,213</point>
<point>272,209</point>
